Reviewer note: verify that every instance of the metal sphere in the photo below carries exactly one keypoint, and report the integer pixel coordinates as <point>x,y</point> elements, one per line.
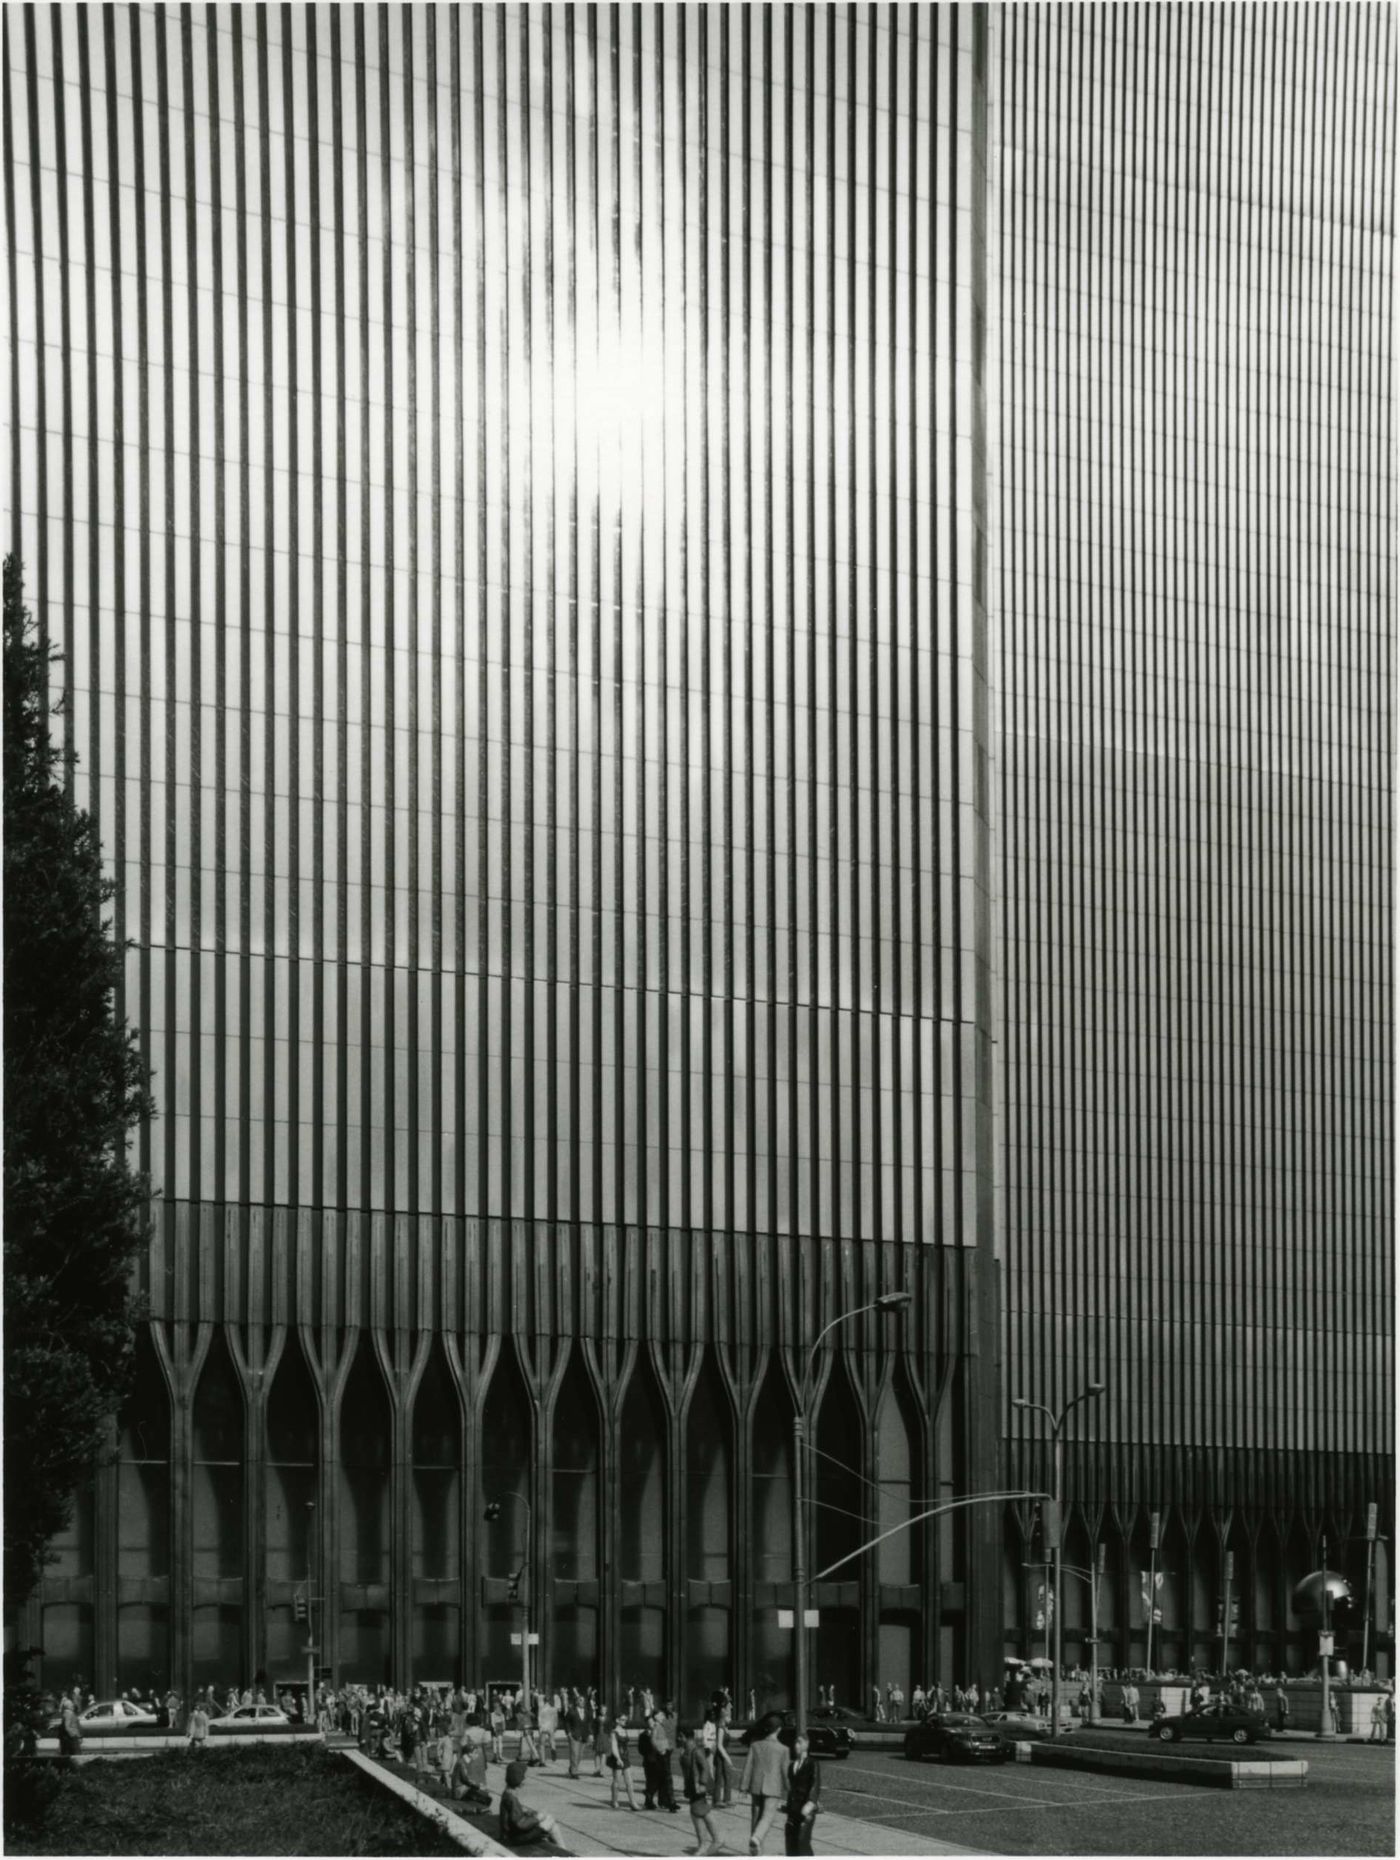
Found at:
<point>1307,1597</point>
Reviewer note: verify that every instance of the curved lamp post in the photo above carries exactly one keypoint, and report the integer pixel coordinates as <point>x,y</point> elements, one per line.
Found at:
<point>888,1301</point>
<point>492,1512</point>
<point>1057,1431</point>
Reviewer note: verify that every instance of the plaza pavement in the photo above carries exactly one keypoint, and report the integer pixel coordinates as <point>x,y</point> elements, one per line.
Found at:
<point>588,1824</point>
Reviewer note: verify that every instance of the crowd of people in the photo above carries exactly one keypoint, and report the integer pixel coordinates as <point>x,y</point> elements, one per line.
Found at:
<point>449,1738</point>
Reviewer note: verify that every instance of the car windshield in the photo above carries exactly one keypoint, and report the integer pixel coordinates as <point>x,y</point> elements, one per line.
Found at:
<point>963,1722</point>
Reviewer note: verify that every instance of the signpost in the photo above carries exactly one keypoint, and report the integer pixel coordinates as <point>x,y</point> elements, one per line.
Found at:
<point>1371,1520</point>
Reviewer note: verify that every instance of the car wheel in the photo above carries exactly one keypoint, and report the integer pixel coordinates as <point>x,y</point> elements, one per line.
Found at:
<point>1165,1734</point>
<point>1242,1736</point>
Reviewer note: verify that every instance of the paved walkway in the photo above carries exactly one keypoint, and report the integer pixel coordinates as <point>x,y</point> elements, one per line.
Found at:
<point>588,1824</point>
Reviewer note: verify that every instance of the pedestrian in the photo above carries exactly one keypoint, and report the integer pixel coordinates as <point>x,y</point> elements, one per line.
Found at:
<point>521,1825</point>
<point>764,1779</point>
<point>199,1727</point>
<point>524,1725</point>
<point>498,1730</point>
<point>657,1762</point>
<point>576,1730</point>
<point>547,1719</point>
<point>878,1709</point>
<point>619,1759</point>
<point>1281,1707</point>
<point>1378,1719</point>
<point>697,1782</point>
<point>70,1732</point>
<point>724,1763</point>
<point>468,1780</point>
<point>803,1800</point>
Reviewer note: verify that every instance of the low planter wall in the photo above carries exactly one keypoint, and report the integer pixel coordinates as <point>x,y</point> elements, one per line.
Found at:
<point>1209,1772</point>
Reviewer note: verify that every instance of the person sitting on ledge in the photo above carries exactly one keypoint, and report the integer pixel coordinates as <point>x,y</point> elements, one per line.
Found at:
<point>521,1826</point>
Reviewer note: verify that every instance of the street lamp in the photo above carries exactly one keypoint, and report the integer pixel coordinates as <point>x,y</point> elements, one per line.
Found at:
<point>887,1301</point>
<point>519,1589</point>
<point>1057,1425</point>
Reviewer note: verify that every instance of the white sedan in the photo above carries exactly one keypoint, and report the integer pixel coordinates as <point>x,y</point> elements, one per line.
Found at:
<point>252,1718</point>
<point>115,1715</point>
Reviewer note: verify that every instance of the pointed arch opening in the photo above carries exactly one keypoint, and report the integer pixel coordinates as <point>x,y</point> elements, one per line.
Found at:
<point>709,1450</point>
<point>437,1518</point>
<point>773,1494</point>
<point>507,1454</point>
<point>290,1486</point>
<point>217,1503</point>
<point>899,1559</point>
<point>838,1483</point>
<point>143,1522</point>
<point>363,1550</point>
<point>641,1539</point>
<point>573,1559</point>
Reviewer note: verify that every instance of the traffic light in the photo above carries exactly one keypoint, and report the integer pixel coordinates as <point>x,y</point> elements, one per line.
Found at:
<point>513,1593</point>
<point>299,1606</point>
<point>493,1511</point>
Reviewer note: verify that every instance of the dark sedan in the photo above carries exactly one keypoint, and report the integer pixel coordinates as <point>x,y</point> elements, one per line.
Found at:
<point>826,1737</point>
<point>1217,1719</point>
<point>957,1737</point>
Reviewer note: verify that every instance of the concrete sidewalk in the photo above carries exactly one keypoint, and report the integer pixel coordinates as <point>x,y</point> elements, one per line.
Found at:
<point>588,1824</point>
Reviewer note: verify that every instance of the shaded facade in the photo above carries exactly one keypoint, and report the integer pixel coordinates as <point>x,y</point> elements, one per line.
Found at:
<point>1194,559</point>
<point>508,486</point>
<point>700,714</point>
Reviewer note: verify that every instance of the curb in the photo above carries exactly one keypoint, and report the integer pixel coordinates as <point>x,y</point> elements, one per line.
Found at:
<point>471,1840</point>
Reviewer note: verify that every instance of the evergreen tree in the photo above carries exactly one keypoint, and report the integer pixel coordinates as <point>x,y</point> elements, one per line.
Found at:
<point>75,1212</point>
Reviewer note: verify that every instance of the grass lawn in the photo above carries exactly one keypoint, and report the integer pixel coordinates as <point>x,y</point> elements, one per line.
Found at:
<point>305,1800</point>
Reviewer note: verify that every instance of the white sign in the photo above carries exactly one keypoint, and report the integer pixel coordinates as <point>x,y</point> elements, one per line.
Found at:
<point>534,1640</point>
<point>515,1640</point>
<point>788,1616</point>
<point>1324,1643</point>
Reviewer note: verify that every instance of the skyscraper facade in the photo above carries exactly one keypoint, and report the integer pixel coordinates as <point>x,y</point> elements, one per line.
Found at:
<point>705,647</point>
<point>1194,527</point>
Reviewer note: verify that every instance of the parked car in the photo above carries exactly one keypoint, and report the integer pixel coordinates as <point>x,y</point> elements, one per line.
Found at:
<point>828,1731</point>
<point>105,1715</point>
<point>252,1718</point>
<point>957,1737</point>
<point>825,1738</point>
<point>1022,1726</point>
<point>1217,1718</point>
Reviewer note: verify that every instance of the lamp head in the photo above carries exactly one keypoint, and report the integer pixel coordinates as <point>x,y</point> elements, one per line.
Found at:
<point>1094,1388</point>
<point>492,1511</point>
<point>893,1301</point>
<point>1019,1401</point>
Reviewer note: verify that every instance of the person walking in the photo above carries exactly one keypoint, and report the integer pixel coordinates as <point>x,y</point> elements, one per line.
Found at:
<point>1281,1707</point>
<point>547,1718</point>
<point>803,1799</point>
<point>619,1758</point>
<point>498,1730</point>
<point>724,1762</point>
<point>697,1781</point>
<point>1378,1720</point>
<point>663,1740</point>
<point>199,1727</point>
<point>576,1730</point>
<point>764,1779</point>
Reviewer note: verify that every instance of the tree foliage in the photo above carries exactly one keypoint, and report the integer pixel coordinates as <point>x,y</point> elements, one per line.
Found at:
<point>75,1211</point>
